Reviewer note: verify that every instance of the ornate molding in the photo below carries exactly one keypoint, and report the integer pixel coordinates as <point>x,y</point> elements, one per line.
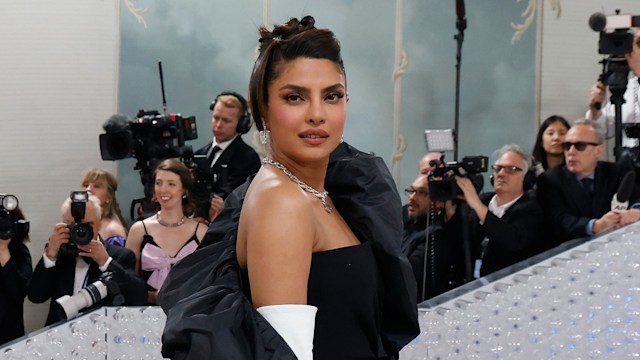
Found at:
<point>136,11</point>
<point>529,14</point>
<point>402,61</point>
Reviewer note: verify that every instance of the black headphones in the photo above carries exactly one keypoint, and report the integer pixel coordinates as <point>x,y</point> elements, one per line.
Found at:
<point>244,123</point>
<point>529,180</point>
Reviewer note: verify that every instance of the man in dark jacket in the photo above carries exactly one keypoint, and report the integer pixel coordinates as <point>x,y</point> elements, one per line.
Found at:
<point>506,226</point>
<point>576,197</point>
<point>66,272</point>
<point>229,160</point>
<point>444,266</point>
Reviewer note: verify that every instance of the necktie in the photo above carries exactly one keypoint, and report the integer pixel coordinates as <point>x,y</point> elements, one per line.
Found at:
<point>587,185</point>
<point>212,155</point>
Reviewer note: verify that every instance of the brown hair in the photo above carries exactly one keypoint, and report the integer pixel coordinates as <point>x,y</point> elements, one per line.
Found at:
<point>112,209</point>
<point>186,178</point>
<point>287,42</point>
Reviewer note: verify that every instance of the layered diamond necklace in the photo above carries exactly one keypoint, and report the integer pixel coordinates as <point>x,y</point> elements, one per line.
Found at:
<point>320,195</point>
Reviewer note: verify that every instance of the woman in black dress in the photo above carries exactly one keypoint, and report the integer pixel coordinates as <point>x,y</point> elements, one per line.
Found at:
<point>15,272</point>
<point>311,277</point>
<point>311,244</point>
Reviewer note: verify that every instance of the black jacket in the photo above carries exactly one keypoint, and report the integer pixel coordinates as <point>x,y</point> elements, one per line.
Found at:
<point>514,237</point>
<point>14,280</point>
<point>54,282</point>
<point>566,208</point>
<point>236,163</point>
<point>205,295</point>
<point>445,267</point>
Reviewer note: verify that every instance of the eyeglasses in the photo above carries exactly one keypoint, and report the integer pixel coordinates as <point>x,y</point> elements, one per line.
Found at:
<point>579,145</point>
<point>509,169</point>
<point>422,192</point>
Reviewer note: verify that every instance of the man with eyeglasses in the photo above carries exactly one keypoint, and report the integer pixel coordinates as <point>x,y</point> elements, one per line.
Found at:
<point>444,268</point>
<point>505,225</point>
<point>576,196</point>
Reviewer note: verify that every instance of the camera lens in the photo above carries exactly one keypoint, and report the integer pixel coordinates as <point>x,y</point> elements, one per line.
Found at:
<point>80,233</point>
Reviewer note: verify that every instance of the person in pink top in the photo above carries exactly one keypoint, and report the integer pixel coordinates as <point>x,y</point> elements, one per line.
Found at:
<point>163,239</point>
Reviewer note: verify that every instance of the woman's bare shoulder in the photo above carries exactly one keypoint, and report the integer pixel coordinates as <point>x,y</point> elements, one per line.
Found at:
<point>277,208</point>
<point>113,228</point>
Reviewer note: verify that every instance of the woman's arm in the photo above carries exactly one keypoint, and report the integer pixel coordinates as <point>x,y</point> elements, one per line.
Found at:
<point>134,241</point>
<point>280,232</point>
<point>279,229</point>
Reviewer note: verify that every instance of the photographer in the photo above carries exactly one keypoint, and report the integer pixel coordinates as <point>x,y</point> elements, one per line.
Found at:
<point>505,225</point>
<point>63,271</point>
<point>229,158</point>
<point>15,274</point>
<point>444,268</point>
<point>605,116</point>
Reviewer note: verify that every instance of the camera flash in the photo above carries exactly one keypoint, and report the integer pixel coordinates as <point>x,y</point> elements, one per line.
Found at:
<point>81,196</point>
<point>9,202</point>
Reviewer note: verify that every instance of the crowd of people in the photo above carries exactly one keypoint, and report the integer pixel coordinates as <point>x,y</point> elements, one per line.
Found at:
<point>312,243</point>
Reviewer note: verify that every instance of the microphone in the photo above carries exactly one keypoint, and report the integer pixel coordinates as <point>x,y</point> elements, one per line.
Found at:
<point>117,122</point>
<point>597,22</point>
<point>620,201</point>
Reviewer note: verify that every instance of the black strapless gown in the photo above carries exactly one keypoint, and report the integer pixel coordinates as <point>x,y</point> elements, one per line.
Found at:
<point>345,286</point>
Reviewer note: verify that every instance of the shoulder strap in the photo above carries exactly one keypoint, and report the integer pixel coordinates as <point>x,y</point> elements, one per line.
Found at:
<point>145,227</point>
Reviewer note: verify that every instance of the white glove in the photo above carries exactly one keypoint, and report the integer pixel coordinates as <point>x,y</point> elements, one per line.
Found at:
<point>295,323</point>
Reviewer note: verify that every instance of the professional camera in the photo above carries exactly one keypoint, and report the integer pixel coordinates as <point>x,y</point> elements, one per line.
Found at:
<point>151,136</point>
<point>616,40</point>
<point>150,139</point>
<point>442,184</point>
<point>80,233</point>
<point>10,228</point>
<point>70,306</point>
<point>616,37</point>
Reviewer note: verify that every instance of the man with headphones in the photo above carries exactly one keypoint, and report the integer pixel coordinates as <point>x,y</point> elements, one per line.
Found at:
<point>229,158</point>
<point>506,226</point>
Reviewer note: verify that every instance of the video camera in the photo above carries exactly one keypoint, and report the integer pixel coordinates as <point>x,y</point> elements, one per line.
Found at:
<point>70,306</point>
<point>151,138</point>
<point>10,228</point>
<point>616,40</point>
<point>442,184</point>
<point>616,37</point>
<point>80,233</point>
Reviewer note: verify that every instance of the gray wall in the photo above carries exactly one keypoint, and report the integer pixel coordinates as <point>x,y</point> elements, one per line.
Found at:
<point>207,48</point>
<point>62,78</point>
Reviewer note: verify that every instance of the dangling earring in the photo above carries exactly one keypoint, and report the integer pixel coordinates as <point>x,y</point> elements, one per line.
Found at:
<point>184,196</point>
<point>264,136</point>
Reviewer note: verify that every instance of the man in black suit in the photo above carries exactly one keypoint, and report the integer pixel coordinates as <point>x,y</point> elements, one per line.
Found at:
<point>65,273</point>
<point>444,268</point>
<point>505,225</point>
<point>229,159</point>
<point>577,196</point>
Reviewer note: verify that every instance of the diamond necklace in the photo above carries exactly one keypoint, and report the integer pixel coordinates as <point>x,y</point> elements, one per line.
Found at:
<point>320,195</point>
<point>166,224</point>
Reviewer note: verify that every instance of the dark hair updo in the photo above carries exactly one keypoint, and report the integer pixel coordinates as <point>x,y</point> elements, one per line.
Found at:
<point>287,42</point>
